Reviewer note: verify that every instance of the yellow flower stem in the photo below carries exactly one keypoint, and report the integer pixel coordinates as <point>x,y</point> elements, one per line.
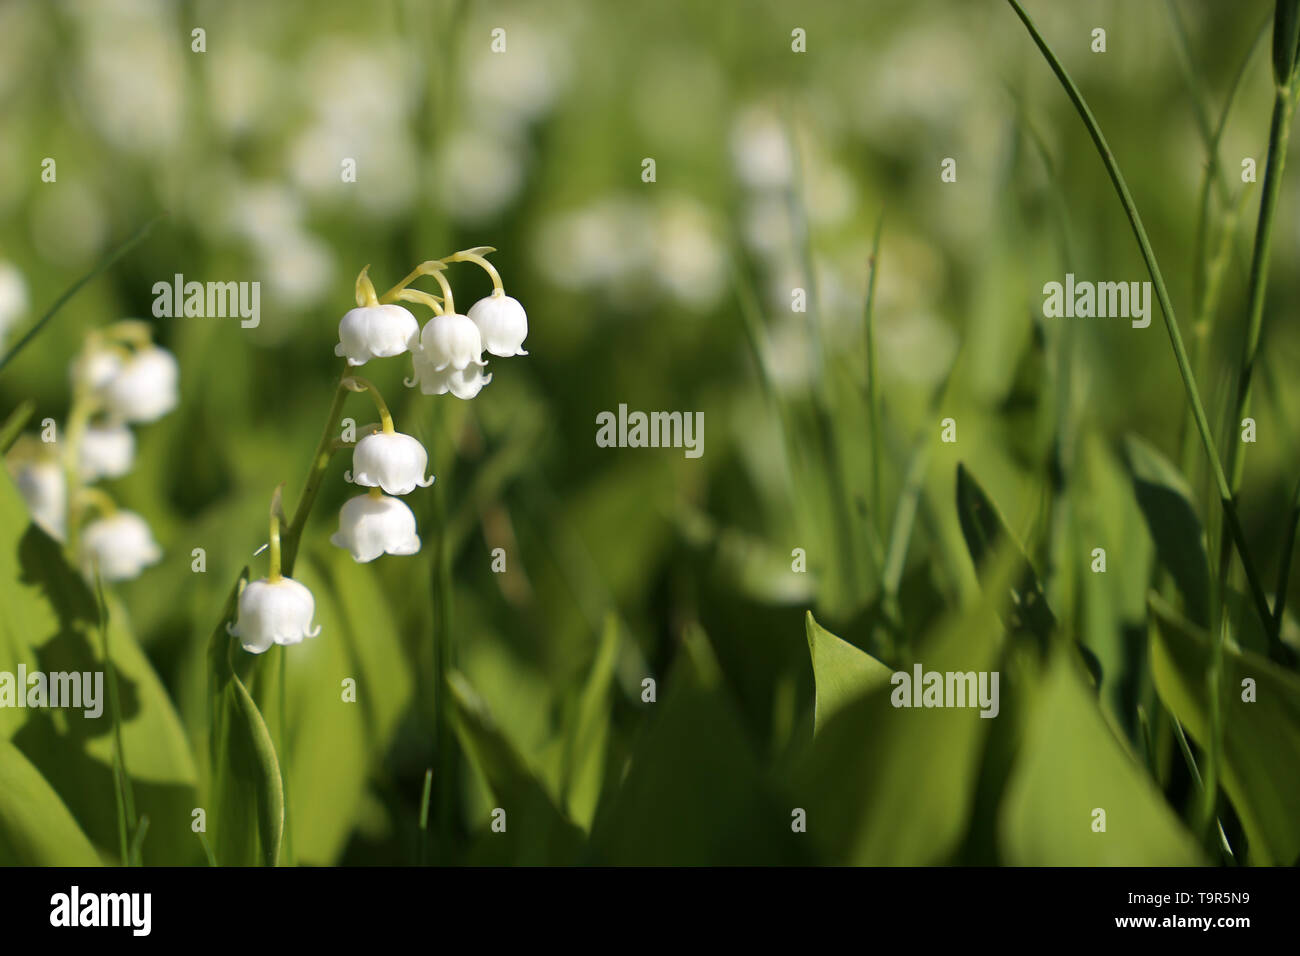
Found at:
<point>356,383</point>
<point>277,515</point>
<point>424,298</point>
<point>469,255</point>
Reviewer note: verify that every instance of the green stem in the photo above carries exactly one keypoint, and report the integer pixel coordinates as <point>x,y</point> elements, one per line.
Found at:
<point>1279,137</point>
<point>873,380</point>
<point>292,537</point>
<point>1166,309</point>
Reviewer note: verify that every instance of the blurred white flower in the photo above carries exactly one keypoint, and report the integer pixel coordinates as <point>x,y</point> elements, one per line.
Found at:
<point>463,383</point>
<point>391,461</point>
<point>13,296</point>
<point>372,525</point>
<point>376,331</point>
<point>107,451</point>
<point>452,340</point>
<point>503,324</point>
<point>94,368</point>
<point>481,171</point>
<point>760,148</point>
<point>120,545</point>
<point>688,257</point>
<point>273,612</point>
<point>145,388</point>
<point>44,487</point>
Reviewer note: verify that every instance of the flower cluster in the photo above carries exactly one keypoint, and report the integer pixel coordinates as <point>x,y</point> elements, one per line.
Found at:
<point>119,379</point>
<point>446,356</point>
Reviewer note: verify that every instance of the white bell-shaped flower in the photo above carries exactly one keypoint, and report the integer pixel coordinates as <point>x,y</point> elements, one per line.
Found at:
<point>13,296</point>
<point>463,383</point>
<point>376,331</point>
<point>452,341</point>
<point>107,451</point>
<point>144,388</point>
<point>273,612</point>
<point>120,545</point>
<point>44,487</point>
<point>391,461</point>
<point>94,369</point>
<point>371,525</point>
<point>503,324</point>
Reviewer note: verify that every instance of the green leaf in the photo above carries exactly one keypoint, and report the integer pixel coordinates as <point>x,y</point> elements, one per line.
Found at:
<point>49,624</point>
<point>694,792</point>
<point>1261,743</point>
<point>893,785</point>
<point>36,828</point>
<point>841,672</point>
<point>587,745</point>
<point>986,533</point>
<point>537,832</point>
<point>248,797</point>
<point>1071,765</point>
<point>359,642</point>
<point>1166,504</point>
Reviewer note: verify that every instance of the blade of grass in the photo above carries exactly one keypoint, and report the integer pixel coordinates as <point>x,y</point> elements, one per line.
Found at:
<point>873,379</point>
<point>126,246</point>
<point>126,820</point>
<point>1279,135</point>
<point>423,849</point>
<point>1166,307</point>
<point>15,424</point>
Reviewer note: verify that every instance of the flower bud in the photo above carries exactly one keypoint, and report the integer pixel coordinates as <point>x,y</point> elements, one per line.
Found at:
<point>273,612</point>
<point>452,341</point>
<point>370,526</point>
<point>391,461</point>
<point>144,388</point>
<point>107,451</point>
<point>376,331</point>
<point>465,383</point>
<point>119,545</point>
<point>503,324</point>
<point>44,487</point>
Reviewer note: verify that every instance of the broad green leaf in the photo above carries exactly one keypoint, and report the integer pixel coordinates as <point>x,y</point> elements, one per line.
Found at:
<point>1166,504</point>
<point>841,672</point>
<point>1261,738</point>
<point>49,623</point>
<point>694,792</point>
<point>1071,765</point>
<point>986,533</point>
<point>333,740</point>
<point>36,828</point>
<point>537,832</point>
<point>893,785</point>
<point>587,745</point>
<point>247,821</point>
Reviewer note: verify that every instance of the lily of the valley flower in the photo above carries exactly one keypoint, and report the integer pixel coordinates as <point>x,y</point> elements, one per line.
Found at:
<point>391,461</point>
<point>120,545</point>
<point>464,383</point>
<point>452,341</point>
<point>273,612</point>
<point>502,322</point>
<point>44,487</point>
<point>373,524</point>
<point>376,331</point>
<point>95,368</point>
<point>144,388</point>
<point>107,451</point>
